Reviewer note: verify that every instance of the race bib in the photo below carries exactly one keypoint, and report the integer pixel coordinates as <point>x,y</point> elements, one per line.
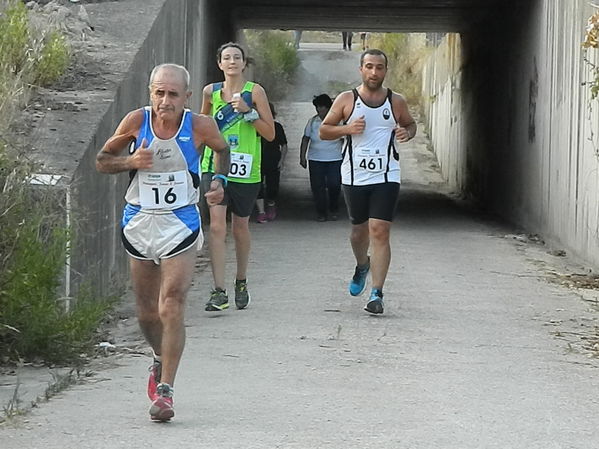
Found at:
<point>371,160</point>
<point>163,190</point>
<point>241,165</point>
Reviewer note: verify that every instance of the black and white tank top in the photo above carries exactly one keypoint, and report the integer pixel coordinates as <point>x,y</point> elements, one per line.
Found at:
<point>371,157</point>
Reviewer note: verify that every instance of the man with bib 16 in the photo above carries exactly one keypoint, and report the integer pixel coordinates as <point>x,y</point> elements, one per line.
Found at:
<point>373,119</point>
<point>161,222</point>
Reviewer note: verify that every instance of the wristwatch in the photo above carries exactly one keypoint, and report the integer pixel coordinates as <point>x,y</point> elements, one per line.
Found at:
<point>251,115</point>
<point>223,179</point>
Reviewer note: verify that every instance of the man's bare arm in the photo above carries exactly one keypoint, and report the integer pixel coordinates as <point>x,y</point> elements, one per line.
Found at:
<point>330,129</point>
<point>407,127</point>
<point>206,131</point>
<point>109,158</point>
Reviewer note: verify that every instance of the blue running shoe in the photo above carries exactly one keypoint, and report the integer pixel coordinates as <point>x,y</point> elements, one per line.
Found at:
<point>375,303</point>
<point>358,282</point>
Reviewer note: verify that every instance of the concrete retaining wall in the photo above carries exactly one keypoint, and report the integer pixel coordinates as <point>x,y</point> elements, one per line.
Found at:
<point>69,138</point>
<point>509,120</point>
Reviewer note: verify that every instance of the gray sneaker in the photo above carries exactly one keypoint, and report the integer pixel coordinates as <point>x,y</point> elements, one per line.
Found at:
<point>242,296</point>
<point>218,301</point>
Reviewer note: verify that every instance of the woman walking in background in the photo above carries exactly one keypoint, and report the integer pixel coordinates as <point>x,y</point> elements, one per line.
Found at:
<point>324,157</point>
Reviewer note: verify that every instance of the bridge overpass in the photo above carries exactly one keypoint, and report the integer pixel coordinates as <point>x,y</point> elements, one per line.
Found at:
<point>507,109</point>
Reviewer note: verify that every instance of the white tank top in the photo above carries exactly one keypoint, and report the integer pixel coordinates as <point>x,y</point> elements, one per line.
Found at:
<point>371,157</point>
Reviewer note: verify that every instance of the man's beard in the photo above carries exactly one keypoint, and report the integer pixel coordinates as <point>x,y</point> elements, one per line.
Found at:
<point>373,85</point>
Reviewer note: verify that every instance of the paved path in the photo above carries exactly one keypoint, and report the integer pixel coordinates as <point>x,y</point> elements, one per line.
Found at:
<point>466,356</point>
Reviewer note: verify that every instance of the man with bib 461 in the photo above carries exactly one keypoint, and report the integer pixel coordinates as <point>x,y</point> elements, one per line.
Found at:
<point>373,119</point>
<point>161,222</point>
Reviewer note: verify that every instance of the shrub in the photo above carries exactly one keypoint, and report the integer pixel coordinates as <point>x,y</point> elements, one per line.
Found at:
<point>275,60</point>
<point>53,60</point>
<point>33,324</point>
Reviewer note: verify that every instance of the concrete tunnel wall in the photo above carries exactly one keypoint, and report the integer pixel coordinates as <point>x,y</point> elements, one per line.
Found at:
<point>507,111</point>
<point>195,29</point>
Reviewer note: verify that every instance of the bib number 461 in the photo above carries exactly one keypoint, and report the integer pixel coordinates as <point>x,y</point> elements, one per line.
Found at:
<point>371,164</point>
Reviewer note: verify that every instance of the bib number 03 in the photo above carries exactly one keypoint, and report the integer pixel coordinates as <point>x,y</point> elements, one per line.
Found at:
<point>163,190</point>
<point>241,165</point>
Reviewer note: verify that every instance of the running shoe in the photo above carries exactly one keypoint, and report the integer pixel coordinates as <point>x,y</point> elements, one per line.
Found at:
<point>242,296</point>
<point>162,406</point>
<point>155,372</point>
<point>218,300</point>
<point>375,303</point>
<point>358,282</point>
<point>262,218</point>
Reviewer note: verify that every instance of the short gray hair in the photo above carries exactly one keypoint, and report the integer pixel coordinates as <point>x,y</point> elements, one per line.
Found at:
<point>175,67</point>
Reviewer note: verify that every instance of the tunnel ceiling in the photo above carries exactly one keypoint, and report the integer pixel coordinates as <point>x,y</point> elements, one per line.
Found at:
<point>368,15</point>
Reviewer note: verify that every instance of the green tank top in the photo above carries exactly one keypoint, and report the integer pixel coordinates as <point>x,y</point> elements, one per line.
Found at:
<point>243,139</point>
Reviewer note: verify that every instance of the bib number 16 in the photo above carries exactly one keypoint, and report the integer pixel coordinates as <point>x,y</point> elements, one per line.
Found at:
<point>163,190</point>
<point>169,196</point>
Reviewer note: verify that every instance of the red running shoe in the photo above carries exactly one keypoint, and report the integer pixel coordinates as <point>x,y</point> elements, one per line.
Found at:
<point>271,212</point>
<point>162,406</point>
<point>155,372</point>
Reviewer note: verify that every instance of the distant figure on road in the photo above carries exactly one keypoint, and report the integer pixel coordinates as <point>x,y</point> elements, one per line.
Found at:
<point>364,39</point>
<point>347,37</point>
<point>273,161</point>
<point>324,159</point>
<point>374,118</point>
<point>297,37</point>
<point>243,116</point>
<point>161,226</point>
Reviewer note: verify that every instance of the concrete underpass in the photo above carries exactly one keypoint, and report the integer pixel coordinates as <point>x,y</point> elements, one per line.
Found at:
<point>478,348</point>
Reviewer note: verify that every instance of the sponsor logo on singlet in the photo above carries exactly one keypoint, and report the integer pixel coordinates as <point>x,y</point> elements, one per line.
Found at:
<point>164,153</point>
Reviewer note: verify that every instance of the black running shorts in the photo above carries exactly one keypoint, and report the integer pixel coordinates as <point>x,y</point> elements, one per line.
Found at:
<point>240,198</point>
<point>371,201</point>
